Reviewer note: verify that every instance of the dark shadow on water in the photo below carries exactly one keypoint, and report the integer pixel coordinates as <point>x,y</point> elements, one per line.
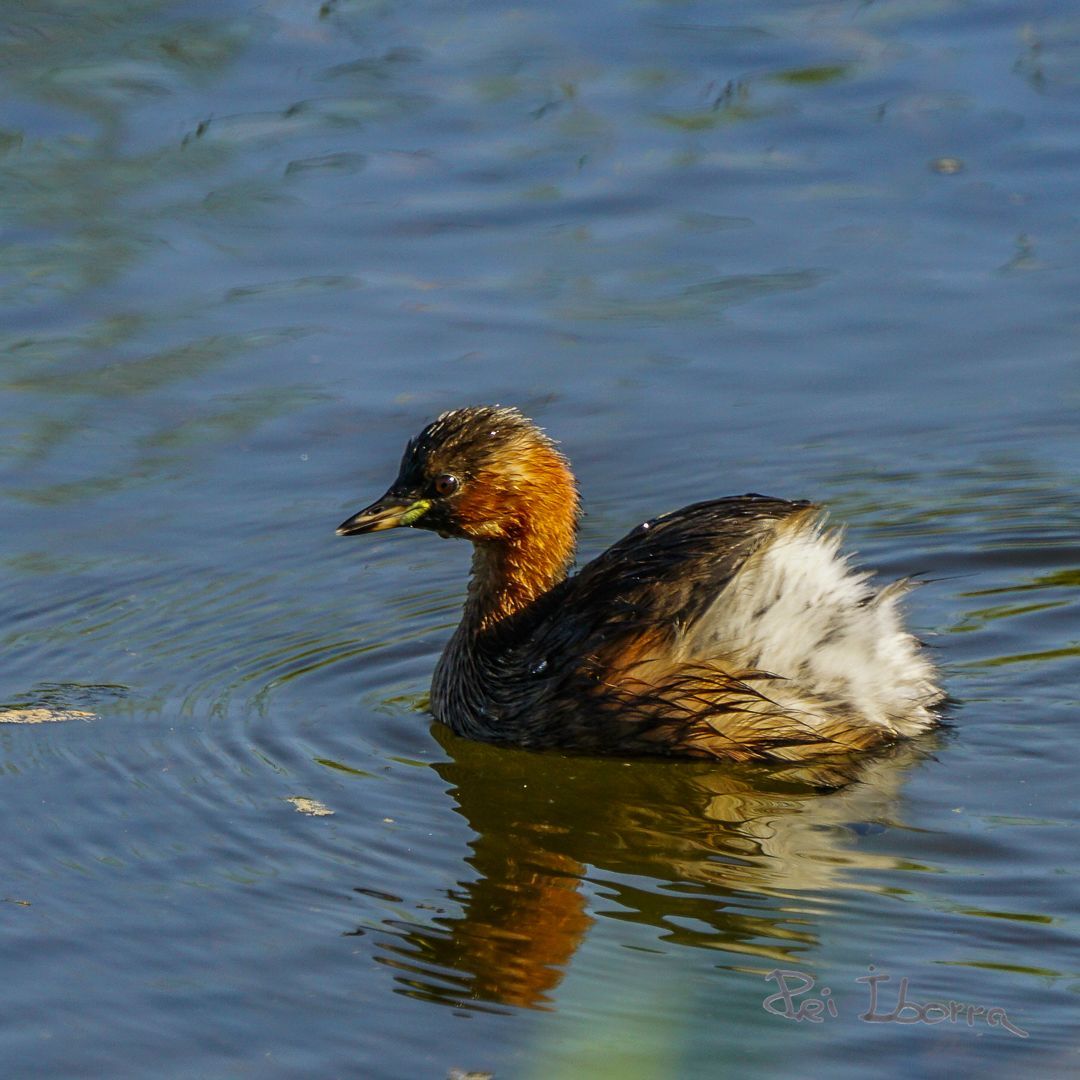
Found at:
<point>738,860</point>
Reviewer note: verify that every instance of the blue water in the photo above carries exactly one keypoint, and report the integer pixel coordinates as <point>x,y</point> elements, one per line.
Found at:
<point>819,250</point>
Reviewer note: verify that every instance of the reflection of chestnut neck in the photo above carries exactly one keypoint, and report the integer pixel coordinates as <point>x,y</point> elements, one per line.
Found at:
<point>524,925</point>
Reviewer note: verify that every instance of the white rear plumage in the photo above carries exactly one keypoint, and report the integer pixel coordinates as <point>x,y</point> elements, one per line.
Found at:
<point>797,609</point>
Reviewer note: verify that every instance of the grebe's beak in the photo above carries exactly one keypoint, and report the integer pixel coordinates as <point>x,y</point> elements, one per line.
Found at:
<point>392,510</point>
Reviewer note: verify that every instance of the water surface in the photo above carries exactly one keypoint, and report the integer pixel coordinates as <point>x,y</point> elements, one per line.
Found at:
<point>812,249</point>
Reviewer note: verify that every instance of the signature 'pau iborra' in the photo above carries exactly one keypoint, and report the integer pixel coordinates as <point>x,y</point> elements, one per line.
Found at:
<point>731,628</point>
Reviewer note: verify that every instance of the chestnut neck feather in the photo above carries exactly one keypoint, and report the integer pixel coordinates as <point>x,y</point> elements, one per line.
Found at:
<point>529,551</point>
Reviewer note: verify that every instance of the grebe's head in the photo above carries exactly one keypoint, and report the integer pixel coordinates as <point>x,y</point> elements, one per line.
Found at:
<point>482,473</point>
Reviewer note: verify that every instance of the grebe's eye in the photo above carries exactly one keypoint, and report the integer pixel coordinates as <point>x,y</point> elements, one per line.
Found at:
<point>446,484</point>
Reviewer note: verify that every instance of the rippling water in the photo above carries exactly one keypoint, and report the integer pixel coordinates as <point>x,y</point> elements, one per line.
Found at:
<point>817,250</point>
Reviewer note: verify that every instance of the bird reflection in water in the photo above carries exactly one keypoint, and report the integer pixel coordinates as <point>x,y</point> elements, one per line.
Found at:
<point>714,841</point>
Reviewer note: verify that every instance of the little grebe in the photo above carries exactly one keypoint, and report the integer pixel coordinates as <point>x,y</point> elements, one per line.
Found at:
<point>729,629</point>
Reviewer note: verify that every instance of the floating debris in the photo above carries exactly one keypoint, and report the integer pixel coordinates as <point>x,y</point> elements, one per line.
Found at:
<point>43,716</point>
<point>947,166</point>
<point>310,806</point>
